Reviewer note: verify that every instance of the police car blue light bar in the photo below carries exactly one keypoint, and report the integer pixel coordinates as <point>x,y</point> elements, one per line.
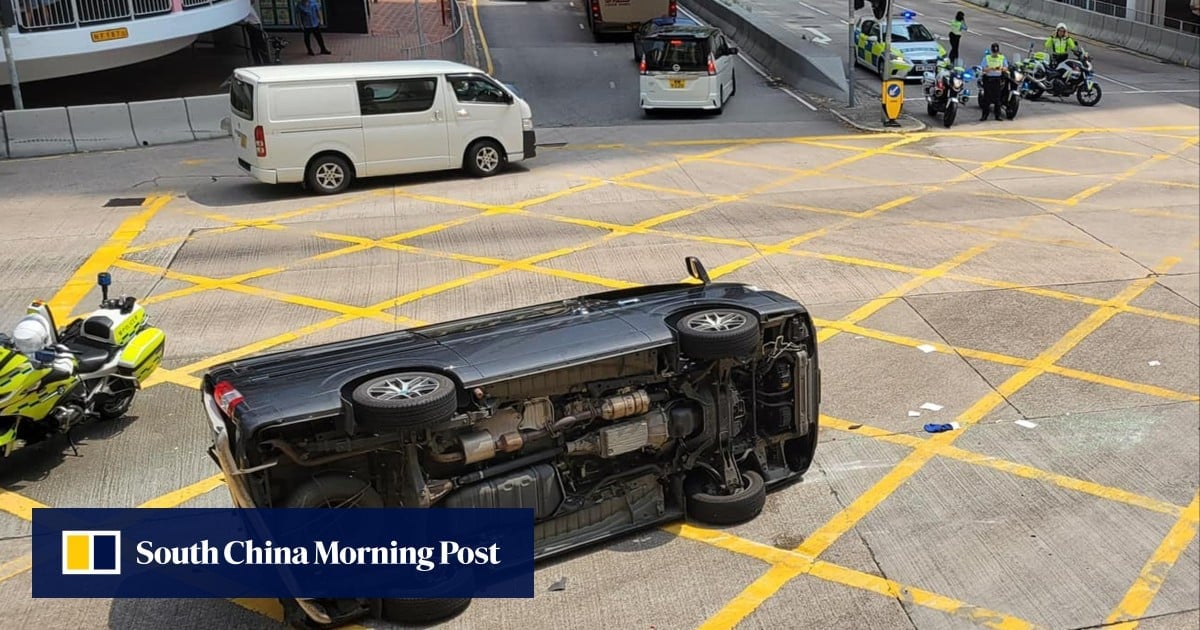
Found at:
<point>908,15</point>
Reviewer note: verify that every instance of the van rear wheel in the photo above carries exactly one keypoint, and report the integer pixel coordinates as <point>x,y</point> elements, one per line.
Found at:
<point>484,158</point>
<point>328,174</point>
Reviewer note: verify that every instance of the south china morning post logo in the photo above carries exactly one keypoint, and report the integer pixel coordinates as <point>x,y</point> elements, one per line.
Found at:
<point>282,553</point>
<point>91,552</point>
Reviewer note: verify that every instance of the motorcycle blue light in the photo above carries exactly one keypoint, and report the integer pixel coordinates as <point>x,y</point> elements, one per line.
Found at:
<point>908,15</point>
<point>967,76</point>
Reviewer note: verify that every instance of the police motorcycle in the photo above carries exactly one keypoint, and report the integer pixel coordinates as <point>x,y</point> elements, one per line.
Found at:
<point>1072,76</point>
<point>53,380</point>
<point>945,90</point>
<point>1013,82</point>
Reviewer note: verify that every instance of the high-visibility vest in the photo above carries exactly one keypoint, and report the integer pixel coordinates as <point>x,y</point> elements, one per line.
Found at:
<point>957,27</point>
<point>992,64</point>
<point>1060,45</point>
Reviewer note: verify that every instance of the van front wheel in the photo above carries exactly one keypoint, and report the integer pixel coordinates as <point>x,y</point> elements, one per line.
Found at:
<point>328,174</point>
<point>484,158</point>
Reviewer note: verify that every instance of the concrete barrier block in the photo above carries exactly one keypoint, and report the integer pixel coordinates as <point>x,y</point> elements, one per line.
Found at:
<point>37,132</point>
<point>205,114</point>
<point>3,140</point>
<point>101,127</point>
<point>161,122</point>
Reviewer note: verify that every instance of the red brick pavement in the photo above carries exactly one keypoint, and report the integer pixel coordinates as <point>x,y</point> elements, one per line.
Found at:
<point>394,35</point>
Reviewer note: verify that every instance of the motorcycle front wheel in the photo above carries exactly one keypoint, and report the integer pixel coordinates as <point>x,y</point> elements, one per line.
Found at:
<point>951,113</point>
<point>1010,108</point>
<point>1086,97</point>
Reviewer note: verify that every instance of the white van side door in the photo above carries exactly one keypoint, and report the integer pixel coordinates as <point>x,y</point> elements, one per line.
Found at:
<point>404,126</point>
<point>479,107</point>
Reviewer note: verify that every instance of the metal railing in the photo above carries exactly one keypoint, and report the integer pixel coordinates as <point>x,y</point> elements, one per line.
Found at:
<point>44,15</point>
<point>1142,17</point>
<point>452,47</point>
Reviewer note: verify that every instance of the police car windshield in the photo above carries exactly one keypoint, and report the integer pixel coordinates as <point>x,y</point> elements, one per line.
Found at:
<point>665,53</point>
<point>911,33</point>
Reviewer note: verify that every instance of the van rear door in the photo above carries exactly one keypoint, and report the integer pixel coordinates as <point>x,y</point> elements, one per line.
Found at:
<point>242,102</point>
<point>404,124</point>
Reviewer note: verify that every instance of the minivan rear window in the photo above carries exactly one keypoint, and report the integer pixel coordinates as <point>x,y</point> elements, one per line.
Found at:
<point>691,55</point>
<point>241,98</point>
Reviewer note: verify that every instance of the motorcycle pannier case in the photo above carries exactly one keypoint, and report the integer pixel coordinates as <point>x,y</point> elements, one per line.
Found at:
<point>143,355</point>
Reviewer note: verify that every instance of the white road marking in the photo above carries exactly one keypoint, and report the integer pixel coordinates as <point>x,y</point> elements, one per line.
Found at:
<point>612,85</point>
<point>805,4</point>
<point>595,53</point>
<point>754,67</point>
<point>818,36</point>
<point>1159,91</point>
<point>1009,30</point>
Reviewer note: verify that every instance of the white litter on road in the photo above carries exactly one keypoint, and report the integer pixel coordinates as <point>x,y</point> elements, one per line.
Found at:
<point>1027,424</point>
<point>926,348</point>
<point>931,406</point>
<point>914,414</point>
<point>1155,363</point>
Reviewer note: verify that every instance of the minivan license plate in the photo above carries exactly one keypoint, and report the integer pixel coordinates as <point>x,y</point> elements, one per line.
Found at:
<point>678,84</point>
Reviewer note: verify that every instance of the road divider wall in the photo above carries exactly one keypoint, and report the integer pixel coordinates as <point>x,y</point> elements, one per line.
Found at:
<point>798,62</point>
<point>111,126</point>
<point>1167,44</point>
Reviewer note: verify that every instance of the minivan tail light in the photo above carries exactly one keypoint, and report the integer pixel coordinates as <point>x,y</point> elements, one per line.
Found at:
<point>227,398</point>
<point>712,66</point>
<point>642,65</point>
<point>260,141</point>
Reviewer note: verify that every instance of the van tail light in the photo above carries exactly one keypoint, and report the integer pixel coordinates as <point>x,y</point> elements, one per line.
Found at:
<point>672,8</point>
<point>227,398</point>
<point>260,141</point>
<point>596,9</point>
<point>712,66</point>
<point>642,65</point>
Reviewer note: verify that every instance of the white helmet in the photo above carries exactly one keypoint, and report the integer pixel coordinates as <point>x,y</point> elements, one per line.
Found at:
<point>1061,25</point>
<point>31,334</point>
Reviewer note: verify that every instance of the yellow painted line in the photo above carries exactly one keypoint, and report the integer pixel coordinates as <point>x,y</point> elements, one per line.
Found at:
<point>81,283</point>
<point>993,357</point>
<point>1164,214</point>
<point>917,596</point>
<point>487,54</point>
<point>178,377</point>
<point>1013,235</point>
<point>825,536</point>
<point>444,201</point>
<point>879,303</point>
<point>175,240</point>
<point>1021,470</point>
<point>1162,182</point>
<point>183,495</point>
<point>947,160</point>
<point>814,209</point>
<point>1112,181</point>
<point>1079,148</point>
<point>18,505</point>
<point>1139,597</point>
<point>15,567</point>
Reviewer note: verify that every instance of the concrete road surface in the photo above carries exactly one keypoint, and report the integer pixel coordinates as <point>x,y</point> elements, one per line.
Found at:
<point>1035,281</point>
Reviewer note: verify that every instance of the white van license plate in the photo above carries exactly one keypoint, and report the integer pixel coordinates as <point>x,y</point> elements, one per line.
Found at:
<point>242,139</point>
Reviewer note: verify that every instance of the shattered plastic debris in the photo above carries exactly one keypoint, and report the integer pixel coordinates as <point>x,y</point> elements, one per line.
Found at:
<point>560,585</point>
<point>932,406</point>
<point>914,414</point>
<point>933,427</point>
<point>1027,424</point>
<point>926,348</point>
<point>1155,363</point>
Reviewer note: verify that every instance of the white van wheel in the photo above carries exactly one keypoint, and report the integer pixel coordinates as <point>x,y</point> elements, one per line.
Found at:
<point>328,174</point>
<point>484,158</point>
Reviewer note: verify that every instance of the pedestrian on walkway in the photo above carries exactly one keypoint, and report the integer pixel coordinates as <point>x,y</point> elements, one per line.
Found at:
<point>957,27</point>
<point>309,13</point>
<point>255,35</point>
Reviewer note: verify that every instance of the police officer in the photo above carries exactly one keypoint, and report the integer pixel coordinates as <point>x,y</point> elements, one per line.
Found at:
<point>993,69</point>
<point>956,30</point>
<point>1060,45</point>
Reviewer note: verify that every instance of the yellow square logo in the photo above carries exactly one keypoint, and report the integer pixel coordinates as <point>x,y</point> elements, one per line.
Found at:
<point>91,552</point>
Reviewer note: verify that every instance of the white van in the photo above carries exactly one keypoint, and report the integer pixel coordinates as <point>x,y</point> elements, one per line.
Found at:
<point>324,125</point>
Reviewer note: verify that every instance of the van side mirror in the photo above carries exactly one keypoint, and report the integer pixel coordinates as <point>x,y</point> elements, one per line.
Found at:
<point>696,269</point>
<point>732,50</point>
